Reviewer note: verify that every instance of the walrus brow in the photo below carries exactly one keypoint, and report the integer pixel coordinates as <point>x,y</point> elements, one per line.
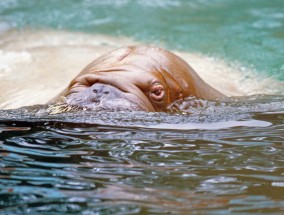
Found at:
<point>112,69</point>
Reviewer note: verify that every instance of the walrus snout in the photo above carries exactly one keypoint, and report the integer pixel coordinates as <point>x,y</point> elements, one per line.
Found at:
<point>100,92</point>
<point>101,96</point>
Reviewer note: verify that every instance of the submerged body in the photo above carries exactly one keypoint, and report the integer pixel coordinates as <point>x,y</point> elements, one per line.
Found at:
<point>135,78</point>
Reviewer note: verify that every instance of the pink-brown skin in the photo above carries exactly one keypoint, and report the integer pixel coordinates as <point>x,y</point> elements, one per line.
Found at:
<point>149,77</point>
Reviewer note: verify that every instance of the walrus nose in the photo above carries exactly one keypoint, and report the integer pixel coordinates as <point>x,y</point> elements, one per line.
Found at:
<point>98,91</point>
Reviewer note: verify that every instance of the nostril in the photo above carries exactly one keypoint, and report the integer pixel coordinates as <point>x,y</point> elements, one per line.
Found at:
<point>95,91</point>
<point>95,100</point>
<point>106,92</point>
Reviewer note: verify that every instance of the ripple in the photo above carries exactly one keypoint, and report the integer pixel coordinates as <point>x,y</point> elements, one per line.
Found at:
<point>79,164</point>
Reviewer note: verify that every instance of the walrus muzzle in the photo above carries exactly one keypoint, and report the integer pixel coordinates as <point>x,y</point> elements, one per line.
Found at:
<point>101,97</point>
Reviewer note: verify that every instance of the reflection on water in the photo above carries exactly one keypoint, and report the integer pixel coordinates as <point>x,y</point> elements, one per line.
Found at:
<point>114,163</point>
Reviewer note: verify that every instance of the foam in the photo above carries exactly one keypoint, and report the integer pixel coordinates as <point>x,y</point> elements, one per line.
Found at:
<point>37,64</point>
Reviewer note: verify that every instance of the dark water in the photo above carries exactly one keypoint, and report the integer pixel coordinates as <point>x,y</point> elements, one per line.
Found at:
<point>224,158</point>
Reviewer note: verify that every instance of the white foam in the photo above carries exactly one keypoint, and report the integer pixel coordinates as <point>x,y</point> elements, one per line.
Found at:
<point>213,125</point>
<point>9,59</point>
<point>232,79</point>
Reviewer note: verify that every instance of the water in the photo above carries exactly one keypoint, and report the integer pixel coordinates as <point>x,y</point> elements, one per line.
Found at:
<point>249,31</point>
<point>51,164</point>
<point>223,157</point>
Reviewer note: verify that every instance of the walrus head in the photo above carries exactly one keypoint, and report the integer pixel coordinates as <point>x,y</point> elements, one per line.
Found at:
<point>135,78</point>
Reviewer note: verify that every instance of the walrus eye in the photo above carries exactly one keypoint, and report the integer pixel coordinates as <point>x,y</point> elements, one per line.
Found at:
<point>157,92</point>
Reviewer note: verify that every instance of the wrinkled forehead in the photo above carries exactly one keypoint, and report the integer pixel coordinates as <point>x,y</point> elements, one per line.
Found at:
<point>154,59</point>
<point>147,58</point>
<point>145,63</point>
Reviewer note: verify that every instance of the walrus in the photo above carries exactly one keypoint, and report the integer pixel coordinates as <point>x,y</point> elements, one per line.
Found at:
<point>142,78</point>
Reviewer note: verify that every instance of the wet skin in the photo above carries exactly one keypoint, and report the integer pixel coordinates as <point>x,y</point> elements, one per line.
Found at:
<point>135,78</point>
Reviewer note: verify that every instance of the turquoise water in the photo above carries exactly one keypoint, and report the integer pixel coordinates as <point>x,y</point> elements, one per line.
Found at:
<point>247,31</point>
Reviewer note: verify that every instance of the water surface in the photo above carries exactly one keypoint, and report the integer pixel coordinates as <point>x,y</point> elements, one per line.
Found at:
<point>207,162</point>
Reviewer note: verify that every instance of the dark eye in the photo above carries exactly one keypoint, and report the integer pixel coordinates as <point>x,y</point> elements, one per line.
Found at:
<point>157,92</point>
